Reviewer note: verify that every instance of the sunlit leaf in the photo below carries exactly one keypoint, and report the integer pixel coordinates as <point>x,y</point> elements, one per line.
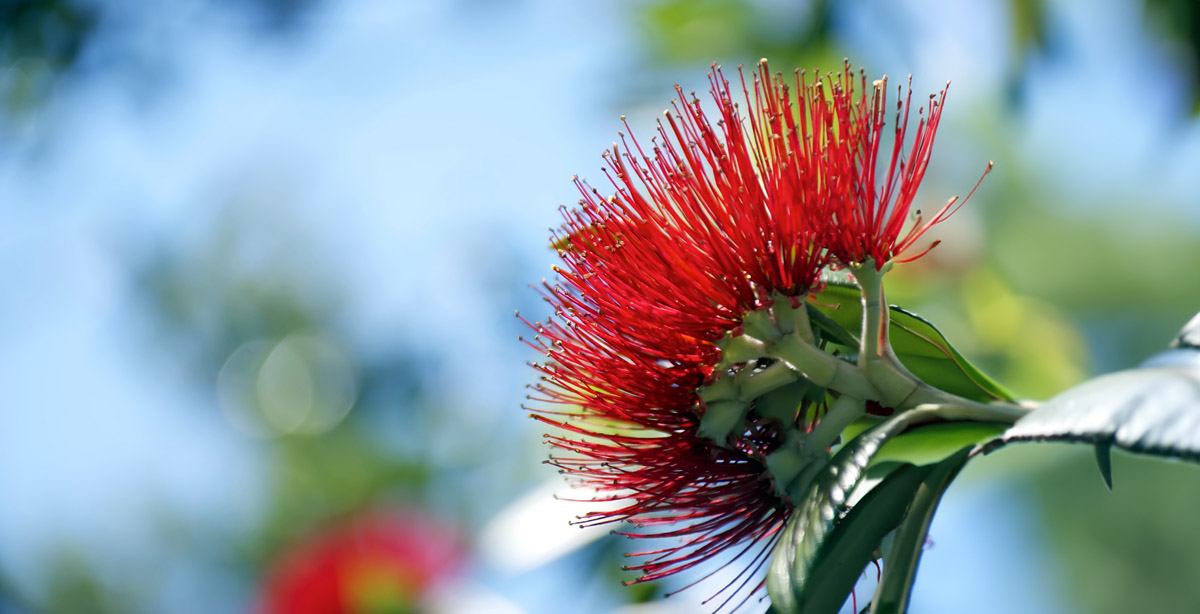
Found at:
<point>918,344</point>
<point>829,329</point>
<point>900,568</point>
<point>934,443</point>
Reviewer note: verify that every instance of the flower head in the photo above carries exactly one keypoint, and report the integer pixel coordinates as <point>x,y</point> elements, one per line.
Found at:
<point>713,225</point>
<point>873,223</point>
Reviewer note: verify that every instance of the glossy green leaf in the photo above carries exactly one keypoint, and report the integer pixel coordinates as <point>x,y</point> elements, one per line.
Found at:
<point>829,329</point>
<point>918,344</point>
<point>900,568</point>
<point>934,443</point>
<point>1153,409</point>
<point>816,518</point>
<point>1104,462</point>
<point>855,541</point>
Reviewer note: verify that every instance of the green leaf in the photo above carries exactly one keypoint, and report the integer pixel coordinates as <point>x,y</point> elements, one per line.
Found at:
<point>934,443</point>
<point>900,568</point>
<point>1104,462</point>
<point>855,541</point>
<point>918,344</point>
<point>859,426</point>
<point>925,445</point>
<point>816,517</point>
<point>1153,409</point>
<point>829,329</point>
<point>817,529</point>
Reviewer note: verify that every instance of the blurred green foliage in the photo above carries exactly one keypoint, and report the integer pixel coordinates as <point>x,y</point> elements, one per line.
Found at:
<point>1096,270</point>
<point>44,42</point>
<point>320,480</point>
<point>804,33</point>
<point>687,31</point>
<point>38,40</point>
<point>1179,21</point>
<point>1026,343</point>
<point>1130,550</point>
<point>74,587</point>
<point>791,33</point>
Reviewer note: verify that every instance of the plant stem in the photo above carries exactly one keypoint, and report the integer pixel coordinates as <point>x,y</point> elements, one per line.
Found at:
<point>875,320</point>
<point>793,319</point>
<point>755,384</point>
<point>958,408</point>
<point>741,348</point>
<point>823,368</point>
<point>961,410</point>
<point>895,383</point>
<point>790,460</point>
<point>845,409</point>
<point>748,384</point>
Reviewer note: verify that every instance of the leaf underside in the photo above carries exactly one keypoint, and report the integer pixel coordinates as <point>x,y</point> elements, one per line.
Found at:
<point>1153,409</point>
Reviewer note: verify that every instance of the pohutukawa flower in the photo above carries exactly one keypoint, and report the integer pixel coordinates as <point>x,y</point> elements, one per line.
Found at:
<point>874,222</point>
<point>715,227</point>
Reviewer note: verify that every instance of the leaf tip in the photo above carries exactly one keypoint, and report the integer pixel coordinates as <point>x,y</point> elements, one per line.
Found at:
<point>1104,461</point>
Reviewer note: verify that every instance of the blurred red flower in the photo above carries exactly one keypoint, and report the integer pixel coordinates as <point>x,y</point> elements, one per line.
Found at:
<point>380,562</point>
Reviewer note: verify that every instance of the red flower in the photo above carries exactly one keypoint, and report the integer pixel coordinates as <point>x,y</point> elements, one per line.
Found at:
<point>720,217</point>
<point>709,221</point>
<point>372,564</point>
<point>872,223</point>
